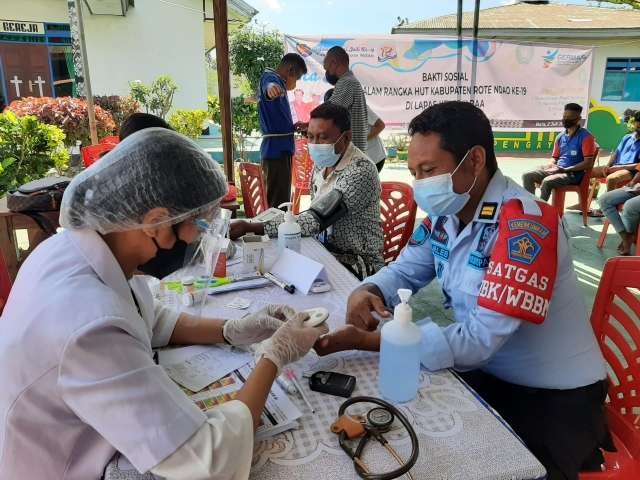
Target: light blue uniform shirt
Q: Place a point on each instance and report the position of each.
(628, 150)
(560, 353)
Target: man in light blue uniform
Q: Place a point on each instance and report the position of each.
(521, 328)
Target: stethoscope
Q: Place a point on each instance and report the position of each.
(373, 424)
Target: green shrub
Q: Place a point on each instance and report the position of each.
(156, 98)
(119, 107)
(188, 122)
(213, 106)
(244, 119)
(29, 149)
(68, 113)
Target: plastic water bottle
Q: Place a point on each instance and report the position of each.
(289, 233)
(400, 353)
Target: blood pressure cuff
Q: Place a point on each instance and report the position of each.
(328, 209)
(521, 275)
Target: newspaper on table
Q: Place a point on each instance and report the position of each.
(279, 414)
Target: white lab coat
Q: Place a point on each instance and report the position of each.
(79, 381)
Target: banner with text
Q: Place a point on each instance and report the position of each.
(519, 86)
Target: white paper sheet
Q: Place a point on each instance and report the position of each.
(202, 366)
(298, 270)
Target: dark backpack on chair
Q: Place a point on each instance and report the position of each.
(42, 195)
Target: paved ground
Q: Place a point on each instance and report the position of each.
(588, 260)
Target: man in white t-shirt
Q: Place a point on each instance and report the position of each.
(375, 147)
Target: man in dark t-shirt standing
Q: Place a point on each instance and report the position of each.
(277, 126)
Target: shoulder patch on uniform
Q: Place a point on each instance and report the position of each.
(488, 211)
(521, 274)
(421, 234)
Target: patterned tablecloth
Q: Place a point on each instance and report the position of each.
(460, 437)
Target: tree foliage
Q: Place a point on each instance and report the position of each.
(252, 51)
(632, 3)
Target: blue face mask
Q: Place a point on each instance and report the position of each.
(324, 154)
(435, 195)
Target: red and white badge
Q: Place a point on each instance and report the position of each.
(522, 271)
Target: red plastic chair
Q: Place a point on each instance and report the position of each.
(582, 189)
(254, 193)
(92, 153)
(398, 216)
(616, 323)
(301, 170)
(111, 139)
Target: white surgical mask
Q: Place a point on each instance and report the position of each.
(435, 195)
(324, 154)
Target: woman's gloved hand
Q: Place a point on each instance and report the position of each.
(290, 342)
(257, 326)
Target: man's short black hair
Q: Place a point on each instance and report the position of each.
(340, 54)
(295, 62)
(573, 107)
(327, 95)
(139, 121)
(461, 126)
(636, 116)
(330, 111)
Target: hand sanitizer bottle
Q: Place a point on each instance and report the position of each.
(289, 233)
(400, 353)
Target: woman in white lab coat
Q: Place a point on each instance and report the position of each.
(78, 378)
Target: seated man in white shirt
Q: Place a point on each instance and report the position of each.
(77, 333)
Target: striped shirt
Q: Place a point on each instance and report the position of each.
(348, 93)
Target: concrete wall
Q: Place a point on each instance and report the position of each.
(154, 38)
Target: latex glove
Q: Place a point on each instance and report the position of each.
(257, 326)
(291, 341)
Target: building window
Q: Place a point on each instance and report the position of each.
(62, 69)
(622, 80)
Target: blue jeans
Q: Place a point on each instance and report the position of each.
(628, 219)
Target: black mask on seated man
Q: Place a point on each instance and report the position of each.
(167, 260)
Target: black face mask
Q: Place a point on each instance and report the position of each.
(332, 79)
(569, 123)
(167, 260)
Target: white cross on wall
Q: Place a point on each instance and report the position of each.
(16, 81)
(40, 82)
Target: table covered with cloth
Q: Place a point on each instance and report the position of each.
(460, 436)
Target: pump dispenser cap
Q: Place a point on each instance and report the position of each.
(404, 294)
(403, 312)
(288, 216)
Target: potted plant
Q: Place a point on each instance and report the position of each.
(397, 147)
